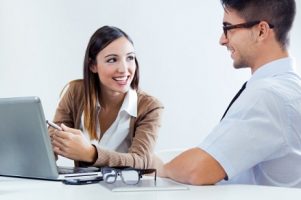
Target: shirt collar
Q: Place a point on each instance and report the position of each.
(129, 104)
(280, 66)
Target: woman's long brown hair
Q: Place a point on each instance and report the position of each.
(99, 40)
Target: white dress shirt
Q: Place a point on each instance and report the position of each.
(259, 140)
(115, 137)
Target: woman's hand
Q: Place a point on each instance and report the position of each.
(71, 143)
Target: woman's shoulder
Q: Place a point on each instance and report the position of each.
(76, 83)
(147, 100)
(73, 87)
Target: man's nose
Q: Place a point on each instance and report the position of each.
(223, 40)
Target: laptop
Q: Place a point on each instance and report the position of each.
(25, 147)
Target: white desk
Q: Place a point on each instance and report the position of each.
(27, 189)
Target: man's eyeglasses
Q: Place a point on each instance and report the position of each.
(226, 27)
(129, 175)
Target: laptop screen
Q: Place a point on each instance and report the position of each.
(25, 148)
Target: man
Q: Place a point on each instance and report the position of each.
(258, 140)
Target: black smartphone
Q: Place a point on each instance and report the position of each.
(81, 181)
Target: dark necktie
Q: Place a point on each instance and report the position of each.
(234, 99)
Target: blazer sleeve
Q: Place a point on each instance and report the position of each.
(67, 110)
(145, 133)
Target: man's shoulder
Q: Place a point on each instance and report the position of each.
(277, 87)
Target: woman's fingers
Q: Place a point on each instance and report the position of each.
(70, 130)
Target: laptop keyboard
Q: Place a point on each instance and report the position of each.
(72, 170)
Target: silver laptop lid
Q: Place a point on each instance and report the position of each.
(25, 148)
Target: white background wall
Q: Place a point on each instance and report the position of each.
(42, 45)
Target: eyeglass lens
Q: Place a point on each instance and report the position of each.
(130, 177)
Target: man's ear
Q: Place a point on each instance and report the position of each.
(263, 29)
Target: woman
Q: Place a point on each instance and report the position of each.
(106, 119)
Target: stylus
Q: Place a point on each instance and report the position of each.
(54, 125)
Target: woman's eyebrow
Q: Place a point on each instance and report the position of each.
(111, 55)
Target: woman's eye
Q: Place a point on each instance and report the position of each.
(131, 58)
(111, 60)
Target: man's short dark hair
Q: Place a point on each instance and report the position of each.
(280, 13)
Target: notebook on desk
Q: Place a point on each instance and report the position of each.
(145, 184)
(25, 147)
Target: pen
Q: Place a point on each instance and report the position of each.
(54, 125)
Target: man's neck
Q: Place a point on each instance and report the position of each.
(268, 55)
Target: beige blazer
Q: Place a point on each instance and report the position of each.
(143, 131)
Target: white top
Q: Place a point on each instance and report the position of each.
(115, 136)
(259, 140)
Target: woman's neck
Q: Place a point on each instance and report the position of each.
(111, 100)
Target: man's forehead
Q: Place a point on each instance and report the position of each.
(231, 16)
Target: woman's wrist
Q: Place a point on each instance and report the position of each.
(92, 154)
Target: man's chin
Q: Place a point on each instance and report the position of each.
(239, 65)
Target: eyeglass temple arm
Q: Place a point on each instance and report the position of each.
(149, 171)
